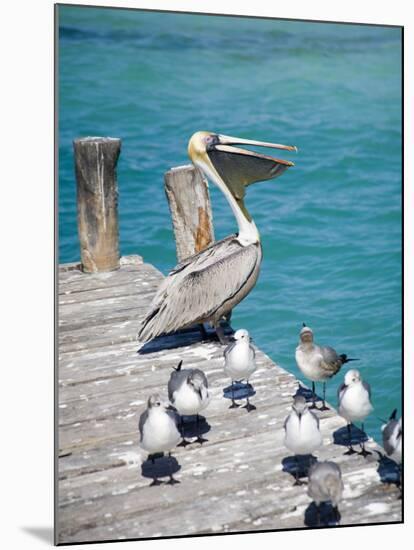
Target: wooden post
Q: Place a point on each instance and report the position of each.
(97, 190)
(189, 202)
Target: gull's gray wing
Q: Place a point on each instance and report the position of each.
(177, 379)
(367, 387)
(253, 351)
(200, 286)
(387, 434)
(201, 375)
(228, 349)
(141, 422)
(173, 414)
(315, 417)
(331, 361)
(341, 389)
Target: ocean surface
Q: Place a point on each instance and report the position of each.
(330, 226)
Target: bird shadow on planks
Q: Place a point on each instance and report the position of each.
(171, 341)
(388, 470)
(325, 516)
(191, 428)
(340, 436)
(238, 391)
(159, 466)
(298, 465)
(182, 338)
(307, 394)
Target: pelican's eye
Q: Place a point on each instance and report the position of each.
(211, 140)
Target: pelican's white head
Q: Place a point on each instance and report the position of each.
(233, 169)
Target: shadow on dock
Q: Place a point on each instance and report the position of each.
(192, 428)
(326, 516)
(298, 465)
(185, 337)
(171, 341)
(388, 470)
(238, 391)
(340, 436)
(306, 393)
(159, 466)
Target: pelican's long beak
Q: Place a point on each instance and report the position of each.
(228, 140)
(236, 168)
(239, 168)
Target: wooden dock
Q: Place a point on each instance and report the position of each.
(239, 480)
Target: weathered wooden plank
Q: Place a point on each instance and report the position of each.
(104, 311)
(76, 281)
(103, 386)
(254, 480)
(97, 192)
(129, 288)
(108, 421)
(122, 391)
(189, 202)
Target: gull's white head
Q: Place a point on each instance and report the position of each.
(196, 380)
(299, 405)
(241, 335)
(352, 377)
(155, 402)
(306, 334)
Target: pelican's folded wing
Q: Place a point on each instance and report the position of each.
(196, 289)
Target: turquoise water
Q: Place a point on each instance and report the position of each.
(330, 226)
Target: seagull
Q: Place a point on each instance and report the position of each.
(158, 429)
(239, 362)
(392, 437)
(188, 393)
(354, 400)
(302, 434)
(317, 363)
(325, 484)
(205, 287)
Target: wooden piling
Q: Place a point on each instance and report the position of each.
(97, 192)
(190, 207)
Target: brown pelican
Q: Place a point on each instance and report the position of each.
(206, 287)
